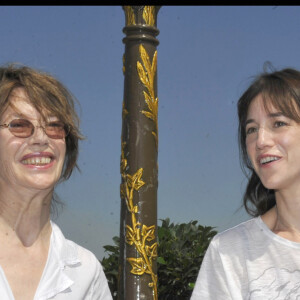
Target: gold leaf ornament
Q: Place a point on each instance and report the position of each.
(123, 60)
(124, 111)
(130, 236)
(148, 15)
(148, 232)
(142, 74)
(135, 180)
(152, 250)
(154, 63)
(148, 114)
(130, 18)
(148, 99)
(123, 163)
(138, 265)
(146, 72)
(146, 60)
(122, 191)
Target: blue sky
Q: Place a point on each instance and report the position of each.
(206, 57)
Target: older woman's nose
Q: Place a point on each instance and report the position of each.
(39, 136)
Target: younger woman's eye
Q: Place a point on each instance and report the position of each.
(279, 124)
(251, 130)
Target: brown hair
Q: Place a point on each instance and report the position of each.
(282, 90)
(47, 95)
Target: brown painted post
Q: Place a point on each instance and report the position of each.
(139, 145)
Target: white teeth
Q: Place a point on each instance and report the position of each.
(36, 161)
(268, 159)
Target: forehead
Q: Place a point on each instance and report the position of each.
(20, 104)
(260, 105)
(18, 93)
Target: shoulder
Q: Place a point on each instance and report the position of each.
(72, 253)
(239, 235)
(90, 267)
(222, 269)
(81, 266)
(85, 256)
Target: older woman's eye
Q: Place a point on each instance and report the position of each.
(251, 130)
(20, 123)
(56, 124)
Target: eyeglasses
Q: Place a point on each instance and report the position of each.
(23, 128)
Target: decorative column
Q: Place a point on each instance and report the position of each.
(139, 145)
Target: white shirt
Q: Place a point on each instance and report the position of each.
(71, 273)
(249, 261)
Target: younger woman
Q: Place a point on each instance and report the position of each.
(259, 259)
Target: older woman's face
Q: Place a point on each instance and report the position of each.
(34, 162)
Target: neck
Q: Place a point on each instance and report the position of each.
(287, 212)
(25, 216)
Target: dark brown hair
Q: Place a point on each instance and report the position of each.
(282, 90)
(48, 96)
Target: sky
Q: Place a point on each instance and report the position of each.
(207, 57)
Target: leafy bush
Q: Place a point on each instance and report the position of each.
(181, 248)
(111, 265)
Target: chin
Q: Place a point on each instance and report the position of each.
(41, 183)
(272, 185)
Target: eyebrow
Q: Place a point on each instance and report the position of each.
(271, 115)
(16, 114)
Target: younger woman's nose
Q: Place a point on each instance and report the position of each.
(264, 138)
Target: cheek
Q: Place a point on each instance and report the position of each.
(9, 149)
(61, 148)
(285, 142)
(251, 153)
(251, 149)
(7, 169)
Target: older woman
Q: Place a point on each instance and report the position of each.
(259, 259)
(38, 147)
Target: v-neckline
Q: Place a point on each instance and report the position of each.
(7, 285)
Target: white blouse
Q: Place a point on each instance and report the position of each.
(71, 273)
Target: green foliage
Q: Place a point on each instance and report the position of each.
(181, 248)
(111, 265)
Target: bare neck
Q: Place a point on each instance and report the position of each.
(25, 215)
(284, 218)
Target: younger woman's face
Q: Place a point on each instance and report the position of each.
(273, 146)
(34, 162)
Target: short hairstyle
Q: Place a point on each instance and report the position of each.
(48, 96)
(282, 90)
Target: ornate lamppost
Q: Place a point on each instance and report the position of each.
(139, 148)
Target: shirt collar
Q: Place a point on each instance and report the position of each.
(62, 253)
(66, 251)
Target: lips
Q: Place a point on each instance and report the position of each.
(37, 159)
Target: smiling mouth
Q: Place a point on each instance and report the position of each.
(37, 161)
(268, 159)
